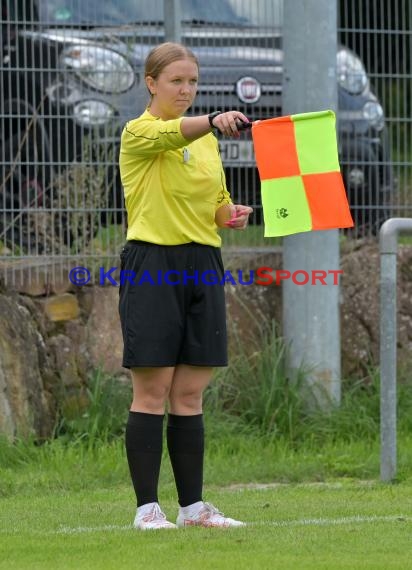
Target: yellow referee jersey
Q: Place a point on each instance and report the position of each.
(172, 186)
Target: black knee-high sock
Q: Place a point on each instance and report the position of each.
(144, 437)
(185, 442)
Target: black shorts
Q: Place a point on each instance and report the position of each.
(172, 305)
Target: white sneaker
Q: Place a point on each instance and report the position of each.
(151, 517)
(206, 515)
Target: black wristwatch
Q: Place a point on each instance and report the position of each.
(212, 116)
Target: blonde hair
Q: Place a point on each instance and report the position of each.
(163, 54)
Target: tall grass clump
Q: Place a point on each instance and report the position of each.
(105, 415)
(255, 387)
(257, 391)
(86, 446)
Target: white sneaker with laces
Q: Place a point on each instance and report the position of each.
(206, 515)
(151, 517)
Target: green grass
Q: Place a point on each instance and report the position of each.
(230, 458)
(252, 236)
(405, 240)
(314, 503)
(341, 525)
(110, 239)
(306, 480)
(234, 454)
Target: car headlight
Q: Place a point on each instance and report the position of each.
(351, 72)
(101, 68)
(92, 113)
(373, 113)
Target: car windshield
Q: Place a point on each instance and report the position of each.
(122, 12)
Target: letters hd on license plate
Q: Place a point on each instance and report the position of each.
(237, 153)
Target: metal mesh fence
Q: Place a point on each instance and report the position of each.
(72, 75)
(380, 33)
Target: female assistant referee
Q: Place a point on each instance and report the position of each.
(174, 331)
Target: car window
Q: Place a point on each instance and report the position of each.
(111, 12)
(260, 13)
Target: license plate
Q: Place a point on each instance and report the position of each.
(237, 153)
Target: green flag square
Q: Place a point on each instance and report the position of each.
(285, 207)
(316, 144)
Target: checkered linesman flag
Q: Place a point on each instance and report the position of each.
(301, 181)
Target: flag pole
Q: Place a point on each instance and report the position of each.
(311, 323)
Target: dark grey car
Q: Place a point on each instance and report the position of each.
(72, 74)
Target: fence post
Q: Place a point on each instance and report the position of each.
(172, 20)
(388, 244)
(311, 312)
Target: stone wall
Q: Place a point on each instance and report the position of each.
(53, 334)
(49, 344)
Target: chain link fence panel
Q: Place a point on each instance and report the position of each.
(72, 75)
